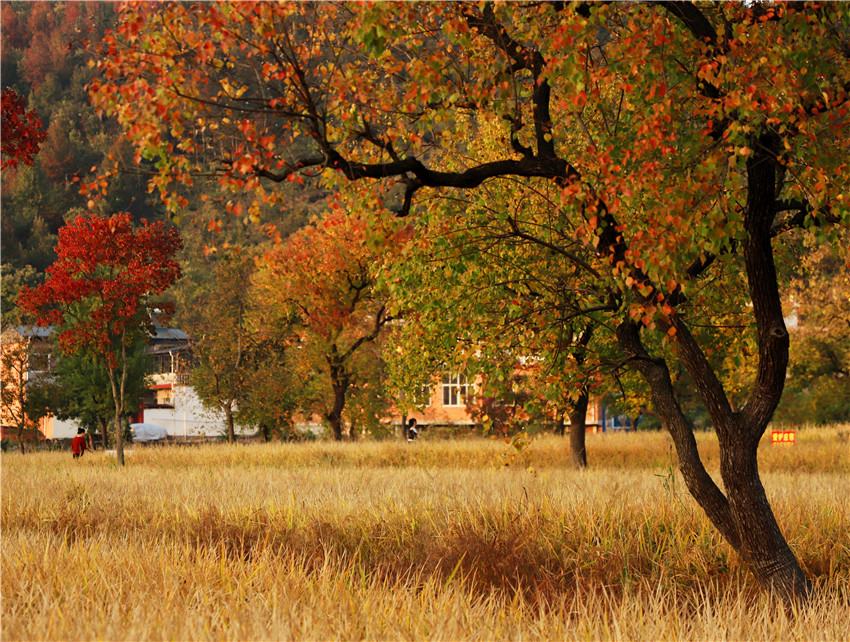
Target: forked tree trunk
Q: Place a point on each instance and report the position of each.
(762, 545)
(743, 514)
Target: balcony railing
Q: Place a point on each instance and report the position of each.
(171, 378)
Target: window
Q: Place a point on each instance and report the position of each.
(161, 363)
(455, 390)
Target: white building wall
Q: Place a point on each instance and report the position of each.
(60, 429)
(189, 417)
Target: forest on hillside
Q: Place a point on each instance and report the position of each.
(47, 62)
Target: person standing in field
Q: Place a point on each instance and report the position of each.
(78, 443)
(412, 431)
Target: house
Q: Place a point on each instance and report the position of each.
(27, 354)
(452, 401)
(171, 401)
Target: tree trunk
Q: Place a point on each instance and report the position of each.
(117, 397)
(762, 545)
(578, 413)
(228, 414)
(578, 430)
(334, 417)
(743, 514)
(340, 381)
(119, 438)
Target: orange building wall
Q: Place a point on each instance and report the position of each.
(8, 413)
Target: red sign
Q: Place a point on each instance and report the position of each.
(783, 437)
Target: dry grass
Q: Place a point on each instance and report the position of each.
(435, 540)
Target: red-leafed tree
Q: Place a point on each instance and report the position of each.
(97, 290)
(22, 134)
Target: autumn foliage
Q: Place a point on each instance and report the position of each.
(102, 277)
(323, 278)
(22, 133)
(683, 146)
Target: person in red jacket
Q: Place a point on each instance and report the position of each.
(78, 443)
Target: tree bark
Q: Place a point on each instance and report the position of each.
(231, 433)
(697, 480)
(334, 417)
(116, 420)
(743, 514)
(118, 399)
(578, 429)
(340, 381)
(762, 545)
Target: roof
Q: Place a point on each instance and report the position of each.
(160, 333)
(169, 334)
(34, 331)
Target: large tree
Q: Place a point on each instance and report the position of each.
(707, 133)
(97, 290)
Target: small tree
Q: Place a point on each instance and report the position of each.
(97, 288)
(225, 340)
(22, 404)
(270, 400)
(80, 388)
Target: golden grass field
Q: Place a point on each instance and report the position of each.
(437, 540)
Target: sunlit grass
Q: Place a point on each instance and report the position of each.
(386, 540)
